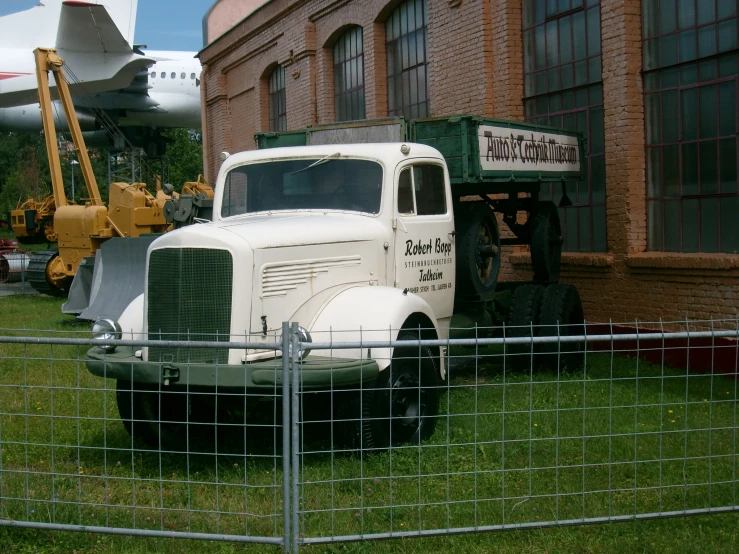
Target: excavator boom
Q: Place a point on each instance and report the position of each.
(47, 61)
(92, 237)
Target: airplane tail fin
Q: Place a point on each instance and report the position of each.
(40, 25)
(123, 14)
(92, 41)
(91, 28)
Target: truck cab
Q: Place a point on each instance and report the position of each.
(357, 243)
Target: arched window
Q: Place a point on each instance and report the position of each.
(407, 76)
(349, 76)
(277, 107)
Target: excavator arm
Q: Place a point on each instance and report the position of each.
(47, 60)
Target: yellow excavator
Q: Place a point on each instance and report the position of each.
(33, 221)
(91, 236)
(108, 281)
(81, 229)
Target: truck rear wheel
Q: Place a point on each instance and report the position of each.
(478, 248)
(402, 405)
(522, 319)
(561, 314)
(546, 242)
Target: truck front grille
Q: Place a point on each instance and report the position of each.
(189, 298)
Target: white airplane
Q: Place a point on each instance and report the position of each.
(141, 91)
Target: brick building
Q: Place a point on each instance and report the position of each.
(653, 232)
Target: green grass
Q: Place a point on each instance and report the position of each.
(616, 439)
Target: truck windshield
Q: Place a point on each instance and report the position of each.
(332, 184)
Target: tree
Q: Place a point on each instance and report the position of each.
(24, 169)
(185, 154)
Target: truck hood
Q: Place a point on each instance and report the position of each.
(301, 259)
(287, 265)
(303, 228)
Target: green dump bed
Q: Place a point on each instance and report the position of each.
(483, 155)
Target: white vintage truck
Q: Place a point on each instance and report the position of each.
(376, 239)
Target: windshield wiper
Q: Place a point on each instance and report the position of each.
(318, 162)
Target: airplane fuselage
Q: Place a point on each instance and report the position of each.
(167, 97)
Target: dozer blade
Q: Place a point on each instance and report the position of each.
(79, 291)
(119, 277)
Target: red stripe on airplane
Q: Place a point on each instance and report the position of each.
(4, 75)
(78, 3)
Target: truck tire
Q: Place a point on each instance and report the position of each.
(140, 406)
(478, 248)
(561, 314)
(403, 404)
(523, 318)
(546, 242)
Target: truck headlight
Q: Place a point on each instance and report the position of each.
(304, 337)
(106, 329)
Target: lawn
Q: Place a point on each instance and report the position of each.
(511, 447)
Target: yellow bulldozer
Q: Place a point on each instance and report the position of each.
(80, 230)
(33, 221)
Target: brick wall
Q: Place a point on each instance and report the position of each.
(476, 66)
(459, 53)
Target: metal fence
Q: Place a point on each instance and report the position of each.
(499, 431)
(13, 272)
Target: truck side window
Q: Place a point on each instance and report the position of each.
(234, 193)
(428, 182)
(405, 193)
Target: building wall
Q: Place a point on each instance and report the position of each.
(224, 13)
(476, 66)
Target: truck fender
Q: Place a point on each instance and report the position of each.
(364, 314)
(132, 320)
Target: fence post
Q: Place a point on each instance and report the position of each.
(295, 435)
(286, 434)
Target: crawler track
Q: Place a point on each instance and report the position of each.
(37, 272)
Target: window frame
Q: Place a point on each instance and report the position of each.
(246, 165)
(348, 64)
(398, 33)
(410, 167)
(277, 100)
(680, 72)
(584, 224)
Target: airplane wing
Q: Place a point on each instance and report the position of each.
(134, 97)
(98, 58)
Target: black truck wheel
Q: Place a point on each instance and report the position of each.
(523, 318)
(403, 404)
(478, 248)
(159, 419)
(546, 242)
(561, 315)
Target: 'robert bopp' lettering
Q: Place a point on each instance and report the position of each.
(420, 248)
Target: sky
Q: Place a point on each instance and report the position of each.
(160, 24)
